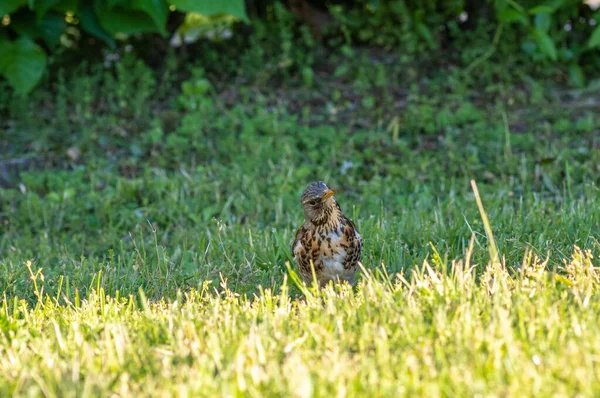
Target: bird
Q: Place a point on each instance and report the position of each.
(327, 240)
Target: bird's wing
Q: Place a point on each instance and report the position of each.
(353, 241)
(297, 245)
(306, 250)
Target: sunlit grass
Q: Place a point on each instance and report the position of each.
(437, 331)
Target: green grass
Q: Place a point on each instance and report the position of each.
(145, 233)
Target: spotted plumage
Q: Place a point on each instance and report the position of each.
(328, 240)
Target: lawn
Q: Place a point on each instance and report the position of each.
(146, 222)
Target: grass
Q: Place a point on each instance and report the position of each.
(146, 220)
(440, 333)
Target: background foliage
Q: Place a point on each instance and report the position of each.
(33, 28)
(561, 33)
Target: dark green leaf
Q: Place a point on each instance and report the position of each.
(8, 6)
(210, 7)
(67, 5)
(157, 9)
(545, 43)
(119, 20)
(23, 64)
(41, 7)
(51, 27)
(5, 48)
(547, 160)
(576, 74)
(24, 23)
(90, 23)
(594, 40)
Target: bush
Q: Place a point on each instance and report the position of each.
(553, 32)
(31, 29)
(558, 33)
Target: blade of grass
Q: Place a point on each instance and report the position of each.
(492, 248)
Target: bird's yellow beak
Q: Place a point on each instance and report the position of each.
(329, 193)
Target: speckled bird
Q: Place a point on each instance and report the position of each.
(327, 238)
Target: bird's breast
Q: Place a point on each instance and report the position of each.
(332, 251)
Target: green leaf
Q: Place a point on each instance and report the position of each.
(543, 21)
(545, 43)
(90, 23)
(594, 40)
(576, 74)
(549, 6)
(511, 3)
(541, 9)
(210, 7)
(23, 63)
(113, 3)
(510, 15)
(425, 33)
(116, 20)
(157, 9)
(8, 6)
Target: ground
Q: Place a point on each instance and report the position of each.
(147, 221)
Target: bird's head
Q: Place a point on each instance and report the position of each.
(318, 203)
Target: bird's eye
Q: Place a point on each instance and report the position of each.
(313, 202)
